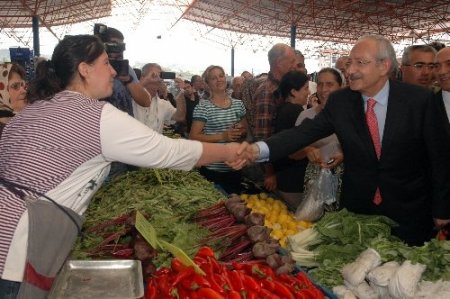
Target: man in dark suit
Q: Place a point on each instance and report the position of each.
(442, 106)
(390, 141)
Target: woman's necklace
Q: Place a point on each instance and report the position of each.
(222, 103)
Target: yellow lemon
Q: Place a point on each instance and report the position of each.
(263, 195)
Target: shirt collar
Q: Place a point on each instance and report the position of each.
(446, 96)
(382, 96)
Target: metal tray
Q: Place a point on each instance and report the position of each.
(99, 279)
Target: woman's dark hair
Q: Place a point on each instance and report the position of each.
(291, 80)
(54, 75)
(19, 70)
(336, 73)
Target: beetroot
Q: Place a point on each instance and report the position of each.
(254, 219)
(263, 249)
(258, 233)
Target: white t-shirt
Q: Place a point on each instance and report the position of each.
(159, 113)
(122, 139)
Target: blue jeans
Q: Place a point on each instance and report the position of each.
(9, 289)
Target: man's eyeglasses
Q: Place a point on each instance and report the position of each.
(359, 63)
(420, 66)
(17, 85)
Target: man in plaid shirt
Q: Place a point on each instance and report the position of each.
(264, 104)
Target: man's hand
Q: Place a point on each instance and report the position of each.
(270, 182)
(239, 156)
(337, 160)
(313, 154)
(439, 223)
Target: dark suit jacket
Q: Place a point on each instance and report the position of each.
(403, 173)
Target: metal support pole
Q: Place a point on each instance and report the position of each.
(35, 20)
(293, 35)
(232, 61)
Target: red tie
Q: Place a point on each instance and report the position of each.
(372, 123)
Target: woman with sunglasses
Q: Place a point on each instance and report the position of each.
(13, 90)
(57, 152)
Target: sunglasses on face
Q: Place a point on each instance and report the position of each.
(17, 85)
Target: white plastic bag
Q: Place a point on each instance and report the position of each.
(327, 183)
(311, 208)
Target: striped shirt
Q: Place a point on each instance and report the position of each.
(218, 120)
(39, 149)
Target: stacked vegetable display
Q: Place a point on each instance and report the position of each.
(339, 237)
(168, 198)
(241, 234)
(234, 281)
(278, 219)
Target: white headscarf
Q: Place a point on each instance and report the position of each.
(5, 100)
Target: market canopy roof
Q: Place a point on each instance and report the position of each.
(17, 14)
(325, 20)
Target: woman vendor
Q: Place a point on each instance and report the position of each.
(56, 153)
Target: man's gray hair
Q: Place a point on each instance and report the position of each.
(421, 48)
(385, 50)
(146, 68)
(277, 51)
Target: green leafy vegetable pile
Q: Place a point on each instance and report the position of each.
(339, 237)
(168, 198)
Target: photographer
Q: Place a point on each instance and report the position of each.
(126, 85)
(160, 111)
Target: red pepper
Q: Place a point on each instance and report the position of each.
(265, 294)
(282, 290)
(195, 282)
(237, 266)
(208, 293)
(267, 283)
(250, 283)
(184, 274)
(183, 293)
(236, 281)
(251, 295)
(163, 285)
(176, 265)
(205, 251)
(303, 278)
(234, 295)
(215, 265)
(215, 285)
(259, 270)
(193, 295)
(223, 281)
(312, 293)
(150, 292)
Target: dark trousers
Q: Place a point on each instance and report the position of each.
(9, 289)
(229, 181)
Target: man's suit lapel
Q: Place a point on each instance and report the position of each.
(394, 114)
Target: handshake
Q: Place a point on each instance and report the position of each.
(241, 154)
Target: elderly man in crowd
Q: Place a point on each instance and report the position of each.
(282, 59)
(418, 64)
(236, 85)
(396, 162)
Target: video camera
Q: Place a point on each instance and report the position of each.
(119, 65)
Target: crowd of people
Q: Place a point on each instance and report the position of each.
(81, 121)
